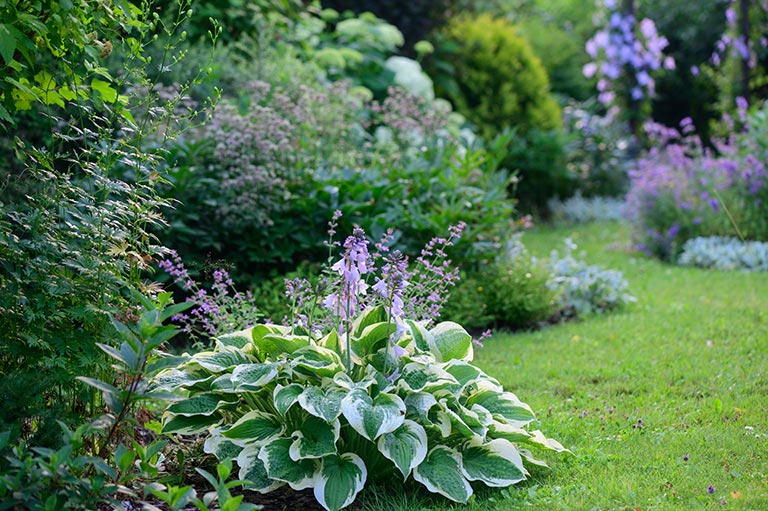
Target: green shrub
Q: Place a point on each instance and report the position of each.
(496, 81)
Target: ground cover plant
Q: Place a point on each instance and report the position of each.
(662, 404)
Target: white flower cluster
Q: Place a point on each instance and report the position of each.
(723, 253)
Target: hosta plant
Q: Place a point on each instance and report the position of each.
(375, 396)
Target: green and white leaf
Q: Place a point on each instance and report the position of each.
(220, 446)
(273, 345)
(201, 404)
(189, 425)
(247, 377)
(467, 374)
(529, 459)
(441, 473)
(318, 361)
(255, 427)
(373, 417)
(508, 432)
(450, 341)
(372, 338)
(538, 438)
(339, 480)
(219, 361)
(497, 463)
(315, 439)
(406, 446)
(418, 404)
(323, 403)
(223, 383)
(420, 335)
(253, 471)
(286, 396)
(279, 464)
(432, 378)
(504, 406)
(174, 379)
(239, 340)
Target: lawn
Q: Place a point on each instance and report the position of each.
(664, 405)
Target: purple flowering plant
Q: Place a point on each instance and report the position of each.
(681, 189)
(361, 383)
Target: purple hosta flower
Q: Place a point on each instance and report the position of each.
(710, 489)
(695, 70)
(353, 264)
(479, 341)
(393, 282)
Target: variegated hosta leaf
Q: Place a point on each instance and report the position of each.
(317, 361)
(253, 471)
(368, 317)
(323, 403)
(416, 377)
(406, 446)
(277, 460)
(330, 341)
(189, 425)
(339, 480)
(458, 423)
(504, 406)
(420, 335)
(315, 439)
(450, 341)
(372, 338)
(441, 473)
(219, 361)
(237, 340)
(247, 377)
(273, 345)
(467, 374)
(529, 459)
(255, 427)
(220, 446)
(496, 463)
(373, 417)
(174, 379)
(467, 422)
(202, 404)
(418, 404)
(538, 438)
(439, 419)
(508, 432)
(285, 397)
(224, 384)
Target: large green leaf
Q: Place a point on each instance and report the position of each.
(285, 397)
(406, 446)
(279, 464)
(339, 480)
(202, 404)
(450, 341)
(441, 473)
(504, 406)
(253, 471)
(219, 361)
(255, 427)
(247, 377)
(315, 439)
(323, 403)
(317, 361)
(496, 463)
(373, 417)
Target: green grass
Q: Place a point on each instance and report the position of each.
(681, 373)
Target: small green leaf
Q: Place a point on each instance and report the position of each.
(102, 386)
(441, 473)
(7, 44)
(107, 92)
(339, 480)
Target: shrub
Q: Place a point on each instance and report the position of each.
(371, 394)
(723, 253)
(510, 293)
(581, 210)
(682, 190)
(496, 81)
(585, 289)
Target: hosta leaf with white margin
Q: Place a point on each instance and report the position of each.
(324, 403)
(372, 338)
(508, 432)
(504, 406)
(202, 404)
(368, 317)
(406, 446)
(418, 404)
(420, 335)
(239, 339)
(339, 480)
(330, 341)
(467, 374)
(190, 425)
(279, 464)
(538, 438)
(223, 384)
(253, 376)
(315, 439)
(497, 463)
(317, 361)
(458, 422)
(174, 379)
(529, 459)
(255, 427)
(273, 346)
(373, 417)
(219, 361)
(220, 446)
(438, 419)
(441, 473)
(451, 341)
(286, 396)
(253, 471)
(417, 377)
